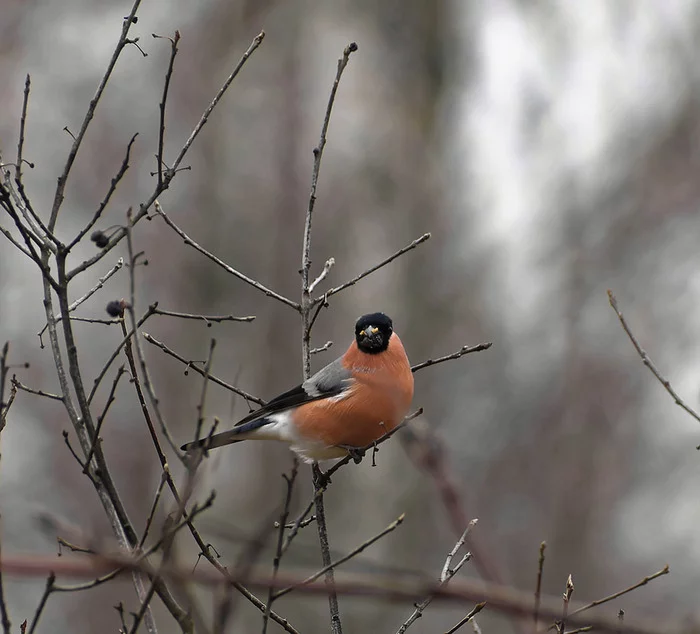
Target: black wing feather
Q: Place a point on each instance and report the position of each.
(291, 398)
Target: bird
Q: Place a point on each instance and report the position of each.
(343, 408)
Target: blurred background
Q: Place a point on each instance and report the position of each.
(550, 148)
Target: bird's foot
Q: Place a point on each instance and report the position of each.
(356, 453)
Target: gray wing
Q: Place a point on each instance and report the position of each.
(329, 381)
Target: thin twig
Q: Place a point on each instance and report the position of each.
(4, 370)
(191, 364)
(204, 318)
(140, 355)
(455, 355)
(568, 591)
(154, 505)
(84, 298)
(4, 613)
(647, 360)
(356, 551)
(108, 196)
(63, 178)
(116, 352)
(22, 124)
(229, 269)
(477, 608)
(289, 481)
(306, 326)
(538, 587)
(20, 386)
(373, 447)
(330, 262)
(447, 573)
(205, 385)
(161, 131)
(110, 399)
(371, 270)
(323, 348)
(664, 571)
(48, 589)
(257, 40)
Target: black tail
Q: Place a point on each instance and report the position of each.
(227, 437)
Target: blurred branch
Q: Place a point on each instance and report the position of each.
(647, 360)
(455, 355)
(395, 587)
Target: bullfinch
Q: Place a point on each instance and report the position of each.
(347, 405)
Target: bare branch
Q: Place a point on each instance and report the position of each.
(568, 591)
(323, 348)
(392, 527)
(205, 385)
(324, 273)
(477, 608)
(154, 505)
(371, 270)
(447, 573)
(42, 602)
(168, 74)
(115, 353)
(110, 399)
(24, 388)
(192, 364)
(393, 587)
(647, 360)
(205, 318)
(84, 298)
(664, 571)
(63, 178)
(190, 242)
(538, 587)
(455, 355)
(289, 481)
(257, 40)
(22, 124)
(108, 196)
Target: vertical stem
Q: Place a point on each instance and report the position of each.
(306, 323)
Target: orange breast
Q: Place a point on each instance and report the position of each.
(378, 401)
